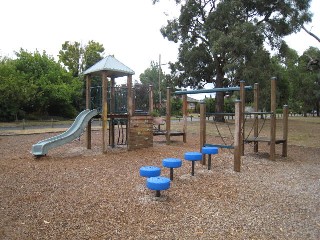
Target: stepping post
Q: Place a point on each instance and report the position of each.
(193, 156)
(150, 171)
(209, 151)
(158, 184)
(171, 163)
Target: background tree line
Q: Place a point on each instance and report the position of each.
(220, 42)
(35, 85)
(298, 81)
(223, 42)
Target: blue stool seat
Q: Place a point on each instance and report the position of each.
(193, 156)
(158, 184)
(150, 171)
(171, 163)
(209, 151)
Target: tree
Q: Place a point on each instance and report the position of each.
(307, 88)
(51, 89)
(93, 53)
(176, 106)
(77, 58)
(217, 37)
(299, 79)
(151, 77)
(15, 91)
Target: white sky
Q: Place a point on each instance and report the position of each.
(129, 29)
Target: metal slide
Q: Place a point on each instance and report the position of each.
(77, 128)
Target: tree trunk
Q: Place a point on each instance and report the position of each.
(219, 95)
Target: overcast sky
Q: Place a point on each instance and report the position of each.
(128, 29)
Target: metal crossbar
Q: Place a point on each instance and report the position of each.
(213, 90)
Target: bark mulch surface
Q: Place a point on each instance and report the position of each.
(75, 193)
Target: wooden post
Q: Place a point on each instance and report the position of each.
(133, 94)
(185, 116)
(256, 116)
(104, 110)
(112, 110)
(112, 95)
(285, 130)
(273, 120)
(150, 99)
(237, 137)
(242, 116)
(129, 106)
(168, 115)
(202, 128)
(129, 96)
(88, 106)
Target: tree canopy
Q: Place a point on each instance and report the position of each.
(220, 37)
(35, 83)
(151, 77)
(77, 58)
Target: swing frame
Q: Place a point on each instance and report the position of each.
(239, 139)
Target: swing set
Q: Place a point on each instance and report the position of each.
(240, 120)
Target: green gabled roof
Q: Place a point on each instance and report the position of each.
(114, 67)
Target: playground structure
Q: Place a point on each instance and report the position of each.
(168, 131)
(134, 127)
(239, 132)
(121, 123)
(117, 108)
(134, 130)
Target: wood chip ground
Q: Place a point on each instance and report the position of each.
(75, 193)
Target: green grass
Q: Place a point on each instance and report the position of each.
(303, 131)
(29, 123)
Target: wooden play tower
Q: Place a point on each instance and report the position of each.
(138, 128)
